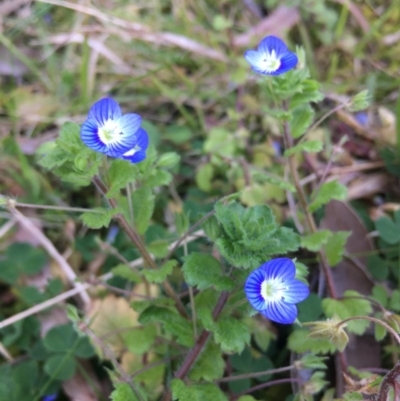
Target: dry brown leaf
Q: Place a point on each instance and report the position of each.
(111, 318)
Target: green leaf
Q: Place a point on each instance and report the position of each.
(359, 101)
(168, 160)
(302, 117)
(210, 364)
(172, 323)
(204, 176)
(83, 348)
(31, 295)
(101, 217)
(353, 396)
(310, 309)
(60, 367)
(335, 247)
(126, 272)
(314, 242)
(380, 294)
(21, 258)
(309, 93)
(204, 271)
(377, 267)
(388, 230)
(158, 248)
(196, 392)
(123, 392)
(379, 332)
(309, 361)
(158, 178)
(143, 207)
(120, 174)
(313, 146)
(246, 398)
(328, 191)
(300, 342)
(349, 307)
(394, 303)
(231, 334)
(140, 339)
(60, 338)
(159, 275)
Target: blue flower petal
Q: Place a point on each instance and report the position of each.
(280, 312)
(296, 292)
(252, 288)
(253, 57)
(270, 43)
(103, 110)
(288, 61)
(281, 268)
(127, 139)
(51, 397)
(142, 139)
(137, 157)
(130, 123)
(90, 137)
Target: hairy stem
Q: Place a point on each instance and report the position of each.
(304, 205)
(137, 241)
(193, 354)
(375, 320)
(255, 374)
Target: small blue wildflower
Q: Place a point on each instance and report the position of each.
(272, 57)
(107, 131)
(51, 397)
(273, 290)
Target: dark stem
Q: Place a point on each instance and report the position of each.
(265, 385)
(192, 355)
(390, 381)
(135, 238)
(303, 202)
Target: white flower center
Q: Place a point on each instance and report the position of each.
(270, 62)
(273, 290)
(109, 132)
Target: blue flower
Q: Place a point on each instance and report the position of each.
(272, 57)
(273, 290)
(51, 397)
(107, 131)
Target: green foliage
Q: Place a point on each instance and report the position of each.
(69, 158)
(231, 334)
(204, 271)
(250, 236)
(210, 364)
(378, 267)
(21, 258)
(204, 176)
(302, 117)
(99, 217)
(309, 361)
(314, 242)
(389, 230)
(335, 247)
(309, 93)
(300, 342)
(312, 146)
(126, 272)
(143, 206)
(172, 323)
(168, 160)
(159, 275)
(120, 174)
(60, 366)
(349, 307)
(360, 101)
(196, 392)
(124, 392)
(328, 191)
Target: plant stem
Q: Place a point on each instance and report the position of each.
(192, 355)
(135, 238)
(303, 202)
(255, 374)
(375, 320)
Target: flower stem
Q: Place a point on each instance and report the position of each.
(303, 202)
(193, 354)
(372, 319)
(255, 374)
(135, 238)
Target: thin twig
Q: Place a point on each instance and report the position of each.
(255, 374)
